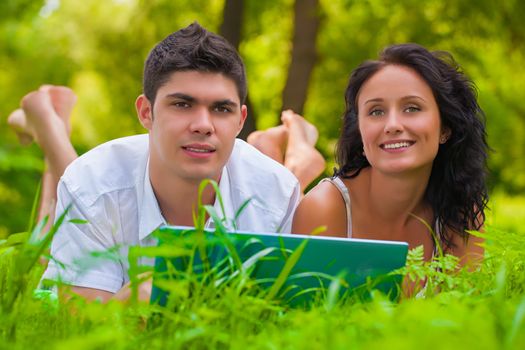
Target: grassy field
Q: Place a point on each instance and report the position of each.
(479, 310)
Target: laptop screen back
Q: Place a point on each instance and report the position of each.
(358, 264)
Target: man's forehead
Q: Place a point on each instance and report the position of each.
(201, 86)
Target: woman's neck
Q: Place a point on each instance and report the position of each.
(396, 197)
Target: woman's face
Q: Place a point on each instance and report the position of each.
(399, 121)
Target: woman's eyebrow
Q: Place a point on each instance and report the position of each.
(378, 99)
(413, 96)
(372, 100)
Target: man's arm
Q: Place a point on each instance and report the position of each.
(88, 293)
(286, 224)
(73, 263)
(124, 294)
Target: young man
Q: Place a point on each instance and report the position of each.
(192, 106)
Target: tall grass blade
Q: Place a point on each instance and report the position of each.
(239, 212)
(437, 241)
(34, 207)
(516, 324)
(287, 269)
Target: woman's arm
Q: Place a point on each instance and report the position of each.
(322, 206)
(470, 252)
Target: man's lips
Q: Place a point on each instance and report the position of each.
(199, 148)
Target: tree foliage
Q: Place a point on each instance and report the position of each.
(98, 48)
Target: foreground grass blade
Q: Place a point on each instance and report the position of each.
(287, 269)
(34, 207)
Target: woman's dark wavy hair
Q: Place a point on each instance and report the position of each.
(457, 188)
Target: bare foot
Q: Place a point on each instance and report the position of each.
(302, 128)
(39, 111)
(44, 118)
(63, 100)
(17, 121)
(271, 142)
(41, 120)
(301, 157)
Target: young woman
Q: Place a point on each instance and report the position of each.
(411, 156)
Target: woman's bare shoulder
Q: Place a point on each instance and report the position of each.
(322, 206)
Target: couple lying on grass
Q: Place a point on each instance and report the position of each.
(412, 155)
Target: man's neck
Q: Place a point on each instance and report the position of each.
(178, 199)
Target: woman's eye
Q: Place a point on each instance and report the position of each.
(412, 109)
(376, 112)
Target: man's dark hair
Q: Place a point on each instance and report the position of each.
(192, 48)
(457, 189)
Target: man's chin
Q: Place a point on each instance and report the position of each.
(198, 177)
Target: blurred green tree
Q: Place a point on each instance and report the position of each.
(303, 56)
(98, 48)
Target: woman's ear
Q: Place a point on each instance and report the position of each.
(445, 135)
(144, 111)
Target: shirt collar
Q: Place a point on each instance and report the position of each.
(150, 216)
(226, 215)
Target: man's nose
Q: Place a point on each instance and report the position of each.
(202, 122)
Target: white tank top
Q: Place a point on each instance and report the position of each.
(339, 184)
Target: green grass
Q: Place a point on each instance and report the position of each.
(507, 213)
(479, 310)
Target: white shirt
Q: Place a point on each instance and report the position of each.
(109, 187)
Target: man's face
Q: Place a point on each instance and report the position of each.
(192, 125)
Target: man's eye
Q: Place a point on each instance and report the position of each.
(223, 109)
(181, 104)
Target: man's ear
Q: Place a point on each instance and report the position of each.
(144, 111)
(244, 115)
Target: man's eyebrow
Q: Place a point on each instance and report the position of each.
(189, 98)
(225, 102)
(181, 96)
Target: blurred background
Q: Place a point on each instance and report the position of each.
(298, 55)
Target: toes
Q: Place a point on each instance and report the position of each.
(254, 137)
(17, 121)
(64, 99)
(286, 116)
